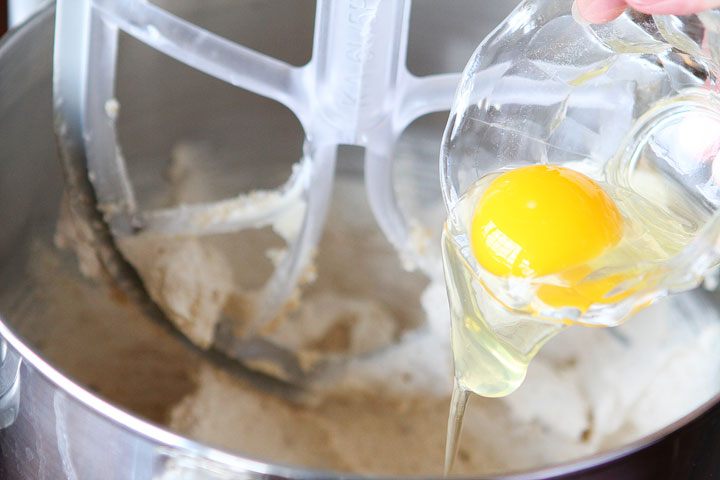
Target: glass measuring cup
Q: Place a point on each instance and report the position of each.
(622, 102)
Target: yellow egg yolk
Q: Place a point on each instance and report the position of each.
(542, 219)
(581, 293)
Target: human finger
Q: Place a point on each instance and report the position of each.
(600, 11)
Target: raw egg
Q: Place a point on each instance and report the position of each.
(542, 219)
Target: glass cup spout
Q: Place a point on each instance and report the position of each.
(634, 105)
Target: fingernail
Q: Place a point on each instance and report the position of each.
(576, 14)
(595, 12)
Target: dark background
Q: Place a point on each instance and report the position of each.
(3, 16)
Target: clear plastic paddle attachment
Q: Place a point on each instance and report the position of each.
(355, 90)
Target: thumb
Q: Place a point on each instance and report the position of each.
(600, 11)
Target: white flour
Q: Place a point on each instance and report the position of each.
(380, 405)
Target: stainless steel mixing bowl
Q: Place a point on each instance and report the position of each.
(54, 427)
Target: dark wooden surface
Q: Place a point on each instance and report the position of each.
(3, 16)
